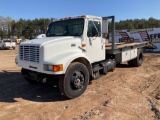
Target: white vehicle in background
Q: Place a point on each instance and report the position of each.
(6, 44)
(41, 36)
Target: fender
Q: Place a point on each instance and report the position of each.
(65, 58)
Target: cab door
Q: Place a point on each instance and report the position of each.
(95, 43)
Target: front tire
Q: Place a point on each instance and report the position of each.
(75, 81)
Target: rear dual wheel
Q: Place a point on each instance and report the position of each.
(138, 60)
(75, 81)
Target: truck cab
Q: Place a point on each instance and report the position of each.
(73, 52)
(87, 29)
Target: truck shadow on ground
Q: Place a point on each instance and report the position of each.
(13, 86)
(123, 66)
(7, 49)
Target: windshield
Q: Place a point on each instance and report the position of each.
(72, 27)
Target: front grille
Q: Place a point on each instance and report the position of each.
(29, 53)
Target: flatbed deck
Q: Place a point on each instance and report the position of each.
(124, 46)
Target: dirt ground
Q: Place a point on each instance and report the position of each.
(128, 93)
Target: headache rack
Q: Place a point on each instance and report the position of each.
(114, 48)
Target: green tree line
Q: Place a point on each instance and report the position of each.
(31, 28)
(23, 28)
(137, 23)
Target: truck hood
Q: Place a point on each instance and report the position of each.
(46, 40)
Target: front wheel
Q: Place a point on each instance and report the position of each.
(75, 81)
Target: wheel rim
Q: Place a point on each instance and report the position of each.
(77, 81)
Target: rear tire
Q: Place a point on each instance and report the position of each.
(138, 60)
(75, 81)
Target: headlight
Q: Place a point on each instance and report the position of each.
(55, 68)
(50, 67)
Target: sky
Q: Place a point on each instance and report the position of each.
(121, 9)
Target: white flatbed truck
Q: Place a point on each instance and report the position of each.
(74, 52)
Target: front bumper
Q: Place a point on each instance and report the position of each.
(39, 77)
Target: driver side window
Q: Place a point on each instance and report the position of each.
(94, 29)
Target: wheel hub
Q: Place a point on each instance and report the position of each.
(78, 80)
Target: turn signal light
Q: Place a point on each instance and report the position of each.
(83, 45)
(57, 68)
